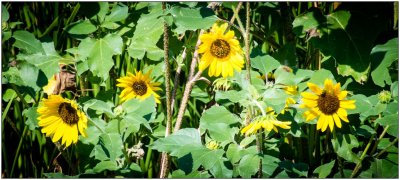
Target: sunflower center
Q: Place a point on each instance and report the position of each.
(220, 48)
(140, 88)
(68, 113)
(328, 103)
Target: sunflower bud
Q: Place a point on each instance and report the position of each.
(213, 145)
(384, 96)
(222, 84)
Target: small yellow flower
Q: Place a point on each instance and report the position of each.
(291, 90)
(213, 145)
(61, 118)
(138, 85)
(221, 52)
(268, 122)
(328, 103)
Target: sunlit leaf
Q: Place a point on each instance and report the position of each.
(26, 41)
(105, 165)
(392, 121)
(192, 19)
(382, 56)
(343, 146)
(81, 27)
(324, 170)
(118, 13)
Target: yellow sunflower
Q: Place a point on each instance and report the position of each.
(61, 118)
(328, 103)
(138, 85)
(221, 52)
(268, 122)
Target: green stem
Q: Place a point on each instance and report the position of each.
(18, 149)
(386, 148)
(7, 108)
(340, 162)
(52, 25)
(358, 166)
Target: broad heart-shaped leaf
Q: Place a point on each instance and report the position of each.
(219, 170)
(269, 165)
(304, 23)
(367, 106)
(324, 170)
(231, 95)
(147, 33)
(47, 63)
(217, 121)
(294, 169)
(392, 121)
(343, 146)
(100, 107)
(192, 18)
(81, 27)
(100, 55)
(108, 148)
(4, 14)
(105, 165)
(32, 115)
(26, 41)
(248, 165)
(179, 143)
(205, 157)
(382, 56)
(264, 63)
(118, 13)
(348, 39)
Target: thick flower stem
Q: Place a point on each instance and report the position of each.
(358, 166)
(188, 89)
(167, 74)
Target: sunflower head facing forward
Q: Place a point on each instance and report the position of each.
(61, 118)
(221, 52)
(328, 103)
(138, 85)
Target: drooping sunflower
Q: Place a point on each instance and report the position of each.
(138, 85)
(268, 122)
(328, 103)
(51, 86)
(61, 119)
(221, 52)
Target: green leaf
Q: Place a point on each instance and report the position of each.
(349, 43)
(147, 33)
(12, 75)
(105, 165)
(269, 165)
(100, 55)
(343, 146)
(139, 113)
(382, 57)
(4, 14)
(219, 170)
(81, 27)
(365, 131)
(294, 169)
(109, 147)
(205, 157)
(324, 170)
(367, 106)
(306, 22)
(32, 116)
(26, 41)
(118, 13)
(47, 63)
(319, 77)
(248, 165)
(179, 143)
(59, 176)
(192, 18)
(264, 63)
(392, 121)
(217, 121)
(394, 88)
(100, 107)
(385, 168)
(193, 175)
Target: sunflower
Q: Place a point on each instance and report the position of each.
(221, 52)
(138, 86)
(61, 118)
(328, 103)
(268, 122)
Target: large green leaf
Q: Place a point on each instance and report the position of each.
(138, 113)
(248, 165)
(26, 41)
(324, 170)
(179, 143)
(99, 53)
(306, 22)
(219, 170)
(108, 148)
(32, 116)
(367, 106)
(264, 63)
(217, 121)
(343, 146)
(392, 121)
(81, 27)
(383, 56)
(118, 13)
(105, 165)
(100, 107)
(192, 18)
(349, 40)
(4, 14)
(147, 33)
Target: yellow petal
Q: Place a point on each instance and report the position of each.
(342, 95)
(328, 84)
(337, 120)
(314, 88)
(347, 104)
(325, 123)
(337, 89)
(59, 132)
(308, 95)
(342, 113)
(330, 121)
